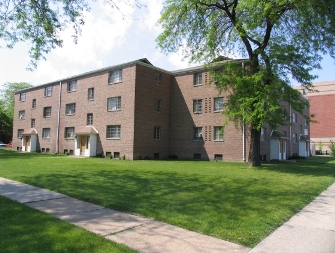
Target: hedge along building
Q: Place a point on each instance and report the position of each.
(137, 110)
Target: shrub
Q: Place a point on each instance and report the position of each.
(173, 157)
(332, 147)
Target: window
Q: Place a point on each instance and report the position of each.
(70, 109)
(89, 121)
(295, 138)
(285, 133)
(72, 86)
(46, 133)
(306, 122)
(197, 133)
(218, 104)
(47, 112)
(114, 104)
(158, 105)
(33, 104)
(32, 123)
(90, 94)
(218, 157)
(294, 117)
(19, 133)
(263, 134)
(197, 79)
(197, 105)
(115, 76)
(22, 114)
(23, 96)
(157, 133)
(301, 131)
(158, 79)
(48, 91)
(69, 132)
(113, 132)
(218, 134)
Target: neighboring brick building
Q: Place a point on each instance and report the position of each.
(322, 105)
(139, 111)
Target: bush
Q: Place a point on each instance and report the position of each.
(296, 157)
(173, 157)
(332, 148)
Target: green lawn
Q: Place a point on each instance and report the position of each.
(221, 199)
(26, 230)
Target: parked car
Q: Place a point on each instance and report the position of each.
(2, 144)
(10, 145)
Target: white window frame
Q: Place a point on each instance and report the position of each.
(294, 117)
(157, 133)
(47, 112)
(218, 133)
(113, 132)
(263, 134)
(46, 133)
(70, 109)
(48, 91)
(23, 96)
(197, 105)
(72, 86)
(158, 105)
(89, 119)
(33, 123)
(158, 79)
(115, 76)
(197, 79)
(69, 132)
(33, 103)
(20, 133)
(90, 94)
(218, 104)
(197, 133)
(22, 114)
(114, 104)
(295, 138)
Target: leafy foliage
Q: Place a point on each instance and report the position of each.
(332, 147)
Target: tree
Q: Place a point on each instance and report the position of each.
(7, 105)
(280, 39)
(39, 22)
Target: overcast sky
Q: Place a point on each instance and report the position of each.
(107, 39)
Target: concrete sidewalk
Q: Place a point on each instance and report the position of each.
(310, 231)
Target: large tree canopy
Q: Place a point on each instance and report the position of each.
(39, 22)
(281, 39)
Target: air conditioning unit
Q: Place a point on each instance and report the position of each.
(198, 135)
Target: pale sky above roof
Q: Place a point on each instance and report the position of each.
(107, 39)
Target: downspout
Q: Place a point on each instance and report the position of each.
(58, 116)
(291, 130)
(243, 127)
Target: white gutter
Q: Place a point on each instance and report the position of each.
(243, 129)
(58, 117)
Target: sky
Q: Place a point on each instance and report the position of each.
(107, 39)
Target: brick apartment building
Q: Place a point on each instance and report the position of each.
(139, 111)
(322, 105)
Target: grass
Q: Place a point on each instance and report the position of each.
(26, 230)
(226, 200)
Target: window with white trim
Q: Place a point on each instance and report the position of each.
(114, 104)
(218, 104)
(70, 109)
(69, 132)
(197, 105)
(113, 132)
(22, 96)
(263, 134)
(197, 133)
(22, 114)
(89, 121)
(32, 123)
(20, 133)
(295, 138)
(157, 133)
(158, 105)
(46, 133)
(90, 95)
(115, 76)
(72, 86)
(158, 79)
(218, 133)
(33, 103)
(48, 91)
(197, 79)
(47, 112)
(294, 117)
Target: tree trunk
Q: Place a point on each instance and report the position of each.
(254, 153)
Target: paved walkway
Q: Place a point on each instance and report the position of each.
(310, 231)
